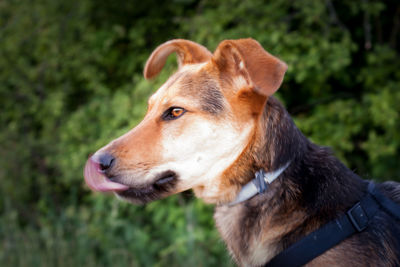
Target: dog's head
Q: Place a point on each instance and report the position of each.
(198, 124)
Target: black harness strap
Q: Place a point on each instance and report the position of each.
(355, 220)
(387, 204)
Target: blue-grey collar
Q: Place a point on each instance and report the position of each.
(258, 185)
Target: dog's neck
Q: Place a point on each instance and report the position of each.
(309, 193)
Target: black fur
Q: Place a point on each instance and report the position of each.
(317, 184)
(212, 99)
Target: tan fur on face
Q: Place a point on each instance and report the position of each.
(223, 103)
(187, 145)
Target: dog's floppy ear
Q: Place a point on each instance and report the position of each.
(246, 57)
(188, 52)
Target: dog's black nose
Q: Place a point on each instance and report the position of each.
(106, 161)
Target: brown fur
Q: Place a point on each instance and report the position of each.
(188, 53)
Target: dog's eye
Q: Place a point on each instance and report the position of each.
(173, 113)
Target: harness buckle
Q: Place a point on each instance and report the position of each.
(358, 217)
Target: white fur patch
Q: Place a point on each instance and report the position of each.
(239, 82)
(202, 153)
(241, 65)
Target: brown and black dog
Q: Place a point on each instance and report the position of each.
(209, 128)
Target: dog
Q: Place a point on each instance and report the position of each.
(214, 124)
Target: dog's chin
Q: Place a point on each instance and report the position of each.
(163, 186)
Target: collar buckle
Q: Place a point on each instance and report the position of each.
(258, 185)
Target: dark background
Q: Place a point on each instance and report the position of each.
(71, 81)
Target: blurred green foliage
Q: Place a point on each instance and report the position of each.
(71, 81)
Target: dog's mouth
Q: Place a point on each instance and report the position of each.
(97, 181)
(163, 184)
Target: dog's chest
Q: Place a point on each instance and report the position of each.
(244, 238)
(227, 221)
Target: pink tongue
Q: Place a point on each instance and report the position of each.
(98, 181)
